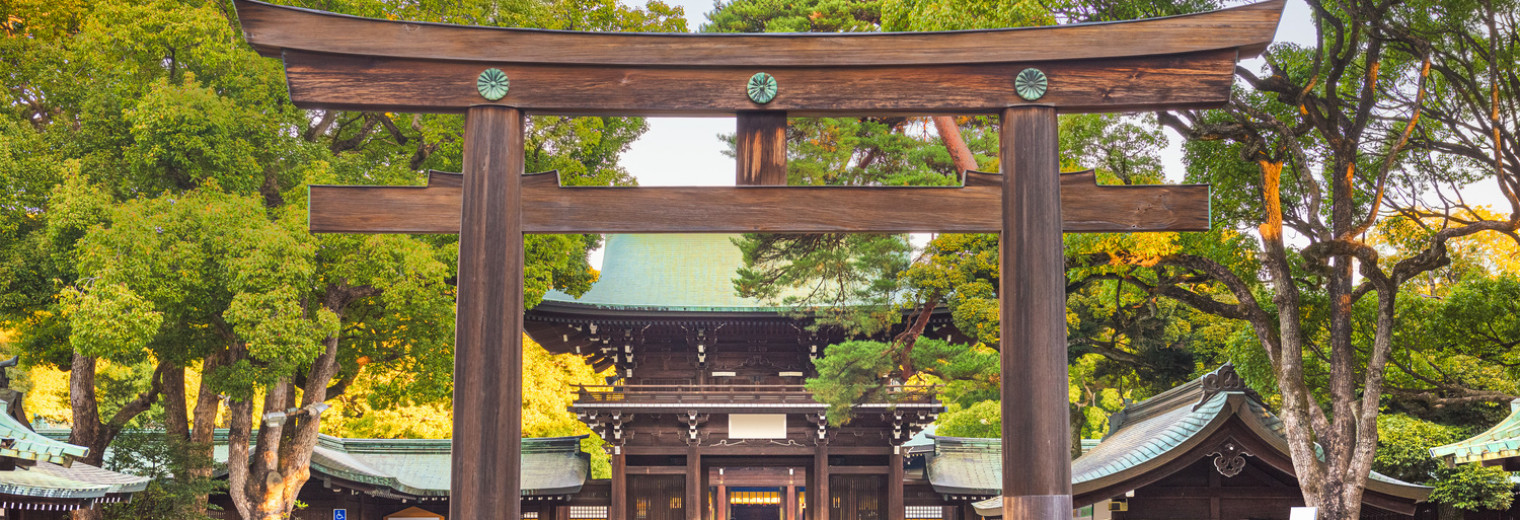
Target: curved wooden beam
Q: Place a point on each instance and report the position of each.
(272, 29)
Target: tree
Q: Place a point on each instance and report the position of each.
(1404, 453)
(164, 458)
(156, 222)
(1305, 161)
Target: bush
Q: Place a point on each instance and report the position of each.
(172, 494)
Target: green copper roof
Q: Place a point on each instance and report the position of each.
(23, 443)
(667, 272)
(1500, 442)
(420, 467)
(55, 475)
(1142, 438)
(27, 482)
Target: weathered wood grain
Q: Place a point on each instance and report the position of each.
(617, 509)
(487, 445)
(818, 484)
(1032, 303)
(895, 509)
(694, 488)
(1199, 79)
(271, 28)
(549, 208)
(761, 149)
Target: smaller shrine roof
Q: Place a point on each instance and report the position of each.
(421, 467)
(1141, 438)
(19, 441)
(54, 475)
(1499, 442)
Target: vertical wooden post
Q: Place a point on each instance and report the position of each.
(1036, 428)
(819, 502)
(704, 491)
(895, 509)
(617, 506)
(810, 493)
(791, 502)
(488, 331)
(722, 501)
(761, 147)
(694, 482)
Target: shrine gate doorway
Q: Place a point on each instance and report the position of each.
(498, 76)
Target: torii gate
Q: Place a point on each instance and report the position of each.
(496, 76)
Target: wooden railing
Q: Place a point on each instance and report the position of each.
(735, 393)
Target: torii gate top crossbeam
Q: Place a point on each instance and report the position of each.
(345, 62)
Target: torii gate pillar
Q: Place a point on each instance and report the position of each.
(1032, 329)
(488, 329)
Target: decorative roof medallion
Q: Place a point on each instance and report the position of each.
(492, 84)
(762, 88)
(1230, 458)
(1030, 83)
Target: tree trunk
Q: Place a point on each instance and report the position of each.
(86, 417)
(950, 133)
(83, 408)
(240, 430)
(280, 464)
(176, 415)
(88, 430)
(203, 431)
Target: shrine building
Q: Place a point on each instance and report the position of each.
(708, 408)
(707, 412)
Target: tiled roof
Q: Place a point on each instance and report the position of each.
(54, 475)
(1140, 436)
(1137, 442)
(420, 467)
(1500, 442)
(966, 467)
(19, 441)
(667, 272)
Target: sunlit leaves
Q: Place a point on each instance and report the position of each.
(110, 321)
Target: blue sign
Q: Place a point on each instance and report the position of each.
(340, 514)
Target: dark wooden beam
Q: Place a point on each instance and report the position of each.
(818, 502)
(694, 490)
(1032, 302)
(549, 208)
(1195, 80)
(895, 507)
(791, 502)
(488, 331)
(270, 28)
(761, 147)
(721, 496)
(857, 470)
(617, 507)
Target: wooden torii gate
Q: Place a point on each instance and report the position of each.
(497, 76)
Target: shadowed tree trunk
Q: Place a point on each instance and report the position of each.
(88, 430)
